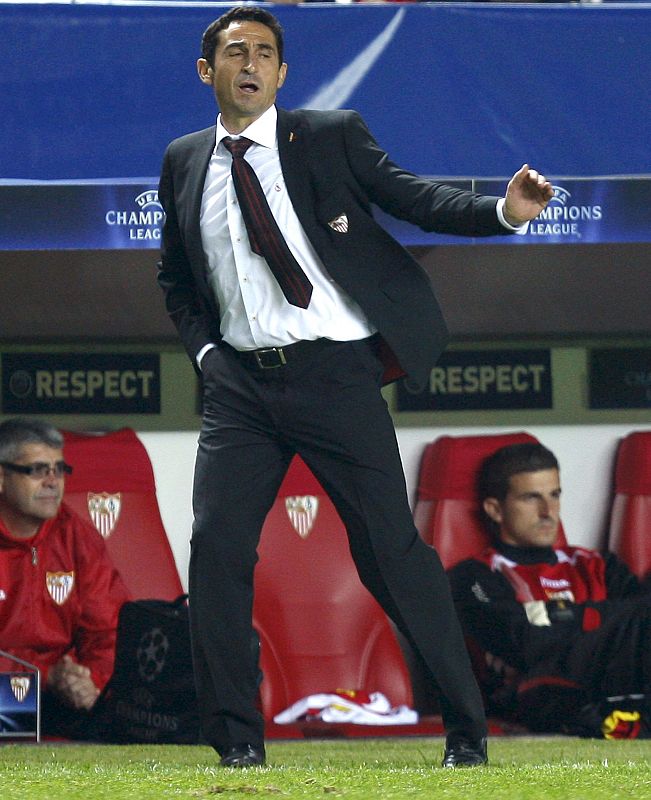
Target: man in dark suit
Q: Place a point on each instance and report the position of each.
(293, 358)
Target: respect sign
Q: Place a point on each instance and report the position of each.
(466, 380)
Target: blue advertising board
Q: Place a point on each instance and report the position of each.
(111, 215)
(97, 90)
(114, 215)
(18, 705)
(588, 211)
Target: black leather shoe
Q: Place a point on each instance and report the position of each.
(461, 751)
(242, 755)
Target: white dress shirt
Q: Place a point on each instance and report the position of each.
(254, 311)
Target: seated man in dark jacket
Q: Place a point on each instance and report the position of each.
(565, 632)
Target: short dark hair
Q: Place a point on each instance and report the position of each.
(240, 14)
(496, 471)
(16, 433)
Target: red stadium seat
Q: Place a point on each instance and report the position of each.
(630, 521)
(446, 511)
(112, 484)
(320, 629)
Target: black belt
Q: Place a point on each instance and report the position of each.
(275, 357)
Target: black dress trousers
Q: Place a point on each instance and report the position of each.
(327, 407)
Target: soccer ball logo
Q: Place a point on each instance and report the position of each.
(151, 654)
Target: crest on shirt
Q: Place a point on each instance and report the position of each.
(59, 585)
(104, 510)
(339, 224)
(302, 511)
(20, 686)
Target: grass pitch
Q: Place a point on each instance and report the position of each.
(522, 768)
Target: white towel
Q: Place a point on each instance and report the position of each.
(343, 705)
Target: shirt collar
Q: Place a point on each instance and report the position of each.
(262, 131)
(527, 555)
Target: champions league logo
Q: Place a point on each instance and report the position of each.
(148, 199)
(141, 223)
(564, 217)
(151, 654)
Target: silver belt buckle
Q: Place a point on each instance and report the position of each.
(260, 357)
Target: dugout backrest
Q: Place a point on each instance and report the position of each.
(630, 520)
(319, 628)
(112, 485)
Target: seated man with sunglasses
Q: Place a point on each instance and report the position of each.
(59, 591)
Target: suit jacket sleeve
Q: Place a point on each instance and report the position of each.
(187, 308)
(431, 205)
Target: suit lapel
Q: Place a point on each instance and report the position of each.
(196, 180)
(292, 150)
(197, 175)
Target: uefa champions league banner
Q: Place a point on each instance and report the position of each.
(588, 211)
(446, 88)
(80, 216)
(582, 211)
(127, 214)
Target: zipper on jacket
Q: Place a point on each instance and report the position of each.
(34, 556)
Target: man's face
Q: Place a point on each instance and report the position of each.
(246, 73)
(25, 500)
(529, 514)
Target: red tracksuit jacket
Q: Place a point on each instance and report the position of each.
(60, 593)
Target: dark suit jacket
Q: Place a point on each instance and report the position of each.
(332, 166)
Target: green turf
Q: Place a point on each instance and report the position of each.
(550, 768)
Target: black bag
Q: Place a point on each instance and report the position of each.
(150, 697)
(621, 717)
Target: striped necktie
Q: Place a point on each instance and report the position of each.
(264, 234)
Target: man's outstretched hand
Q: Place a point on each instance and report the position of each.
(527, 194)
